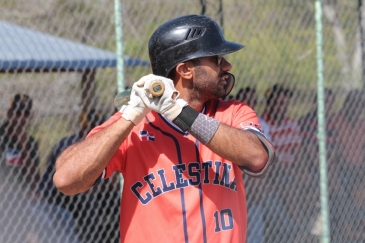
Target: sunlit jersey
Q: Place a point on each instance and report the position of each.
(175, 188)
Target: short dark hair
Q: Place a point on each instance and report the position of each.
(275, 90)
(245, 90)
(21, 102)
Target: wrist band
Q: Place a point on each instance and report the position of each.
(204, 128)
(201, 126)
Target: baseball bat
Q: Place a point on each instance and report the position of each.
(156, 89)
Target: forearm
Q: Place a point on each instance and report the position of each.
(79, 166)
(239, 146)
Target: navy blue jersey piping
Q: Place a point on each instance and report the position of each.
(202, 214)
(178, 151)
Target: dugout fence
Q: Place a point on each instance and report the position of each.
(71, 92)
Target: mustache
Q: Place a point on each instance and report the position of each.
(223, 74)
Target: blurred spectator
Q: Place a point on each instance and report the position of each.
(279, 185)
(309, 124)
(283, 130)
(348, 163)
(20, 221)
(350, 141)
(354, 215)
(247, 95)
(308, 201)
(254, 189)
(89, 207)
(19, 157)
(19, 149)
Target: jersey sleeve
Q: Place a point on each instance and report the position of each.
(245, 117)
(117, 161)
(238, 115)
(241, 116)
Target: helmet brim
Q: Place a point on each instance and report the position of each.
(227, 47)
(224, 48)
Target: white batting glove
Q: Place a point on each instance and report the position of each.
(168, 104)
(135, 110)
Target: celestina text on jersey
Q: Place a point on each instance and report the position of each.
(196, 173)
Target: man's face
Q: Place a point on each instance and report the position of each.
(210, 78)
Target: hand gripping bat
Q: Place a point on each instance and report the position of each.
(156, 89)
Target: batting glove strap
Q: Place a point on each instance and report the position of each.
(186, 118)
(175, 109)
(130, 114)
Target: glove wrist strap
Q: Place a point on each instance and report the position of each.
(200, 126)
(131, 114)
(186, 118)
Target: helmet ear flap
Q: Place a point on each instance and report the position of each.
(230, 83)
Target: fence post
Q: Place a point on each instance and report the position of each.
(120, 56)
(362, 39)
(322, 125)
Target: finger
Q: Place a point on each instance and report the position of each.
(141, 82)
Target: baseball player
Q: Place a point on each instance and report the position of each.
(182, 153)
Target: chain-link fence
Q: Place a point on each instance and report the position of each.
(61, 54)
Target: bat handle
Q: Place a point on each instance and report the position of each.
(157, 88)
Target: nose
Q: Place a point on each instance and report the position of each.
(225, 65)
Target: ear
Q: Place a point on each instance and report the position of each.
(185, 70)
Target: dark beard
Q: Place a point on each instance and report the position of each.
(205, 89)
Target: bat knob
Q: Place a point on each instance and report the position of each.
(157, 88)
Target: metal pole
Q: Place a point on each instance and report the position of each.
(321, 125)
(119, 44)
(204, 6)
(120, 57)
(220, 11)
(362, 39)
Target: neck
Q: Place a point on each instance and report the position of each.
(198, 106)
(194, 100)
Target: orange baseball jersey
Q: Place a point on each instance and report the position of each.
(175, 188)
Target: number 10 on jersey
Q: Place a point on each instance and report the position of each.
(223, 220)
